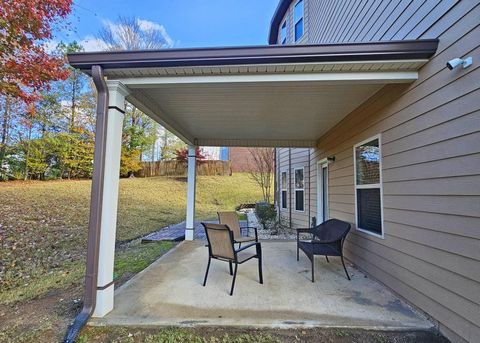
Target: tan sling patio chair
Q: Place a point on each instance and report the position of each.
(231, 220)
(221, 247)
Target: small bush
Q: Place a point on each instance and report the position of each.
(267, 215)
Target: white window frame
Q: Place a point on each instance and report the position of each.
(283, 189)
(320, 165)
(369, 186)
(296, 21)
(284, 40)
(295, 189)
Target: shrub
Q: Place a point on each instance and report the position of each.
(267, 215)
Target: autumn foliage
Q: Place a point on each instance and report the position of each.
(182, 155)
(25, 66)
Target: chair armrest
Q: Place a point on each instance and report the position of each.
(250, 227)
(300, 230)
(325, 242)
(247, 246)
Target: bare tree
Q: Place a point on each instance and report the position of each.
(131, 33)
(262, 169)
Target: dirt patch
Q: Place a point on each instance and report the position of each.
(42, 320)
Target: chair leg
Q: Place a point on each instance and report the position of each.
(234, 277)
(297, 251)
(259, 255)
(206, 272)
(313, 268)
(345, 268)
(327, 258)
(230, 267)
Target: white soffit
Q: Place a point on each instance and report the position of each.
(347, 66)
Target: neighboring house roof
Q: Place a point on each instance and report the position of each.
(277, 18)
(370, 51)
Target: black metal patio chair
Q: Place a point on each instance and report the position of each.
(325, 239)
(221, 247)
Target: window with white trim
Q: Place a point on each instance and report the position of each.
(299, 190)
(368, 186)
(283, 190)
(298, 12)
(283, 33)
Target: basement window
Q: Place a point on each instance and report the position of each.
(299, 190)
(283, 191)
(298, 20)
(368, 186)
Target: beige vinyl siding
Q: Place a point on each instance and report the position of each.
(431, 174)
(289, 18)
(299, 159)
(372, 20)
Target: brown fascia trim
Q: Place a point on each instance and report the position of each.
(371, 51)
(93, 242)
(282, 8)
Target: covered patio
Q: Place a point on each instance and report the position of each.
(170, 293)
(274, 96)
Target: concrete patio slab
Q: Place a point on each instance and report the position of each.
(170, 293)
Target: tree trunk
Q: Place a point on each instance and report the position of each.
(5, 125)
(27, 152)
(73, 107)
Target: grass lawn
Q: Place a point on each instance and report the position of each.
(239, 335)
(43, 233)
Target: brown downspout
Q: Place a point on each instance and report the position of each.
(275, 185)
(93, 244)
(309, 188)
(290, 185)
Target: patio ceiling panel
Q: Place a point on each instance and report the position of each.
(283, 96)
(286, 114)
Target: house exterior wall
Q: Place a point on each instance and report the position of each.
(241, 160)
(430, 135)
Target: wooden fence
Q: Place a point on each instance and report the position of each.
(175, 168)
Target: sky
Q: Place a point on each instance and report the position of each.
(184, 23)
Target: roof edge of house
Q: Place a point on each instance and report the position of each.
(247, 55)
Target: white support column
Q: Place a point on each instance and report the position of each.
(191, 183)
(116, 111)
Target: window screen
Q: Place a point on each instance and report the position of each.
(368, 186)
(283, 188)
(299, 190)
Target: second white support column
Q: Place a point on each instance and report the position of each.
(191, 188)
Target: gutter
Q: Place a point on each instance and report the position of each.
(248, 55)
(93, 244)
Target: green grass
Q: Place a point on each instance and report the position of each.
(138, 257)
(43, 225)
